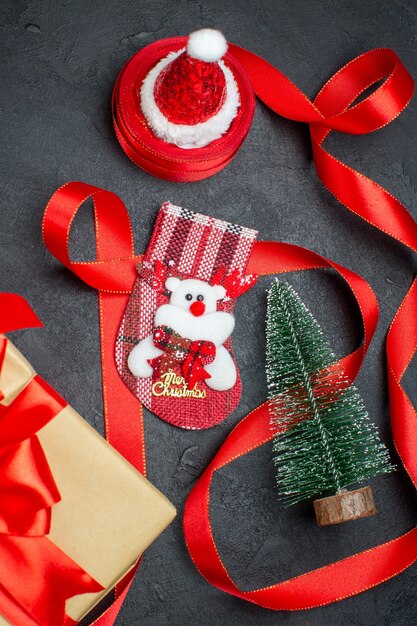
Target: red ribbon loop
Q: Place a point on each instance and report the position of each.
(336, 99)
(114, 269)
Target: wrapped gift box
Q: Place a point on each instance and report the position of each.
(108, 513)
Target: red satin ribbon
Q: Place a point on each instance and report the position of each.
(36, 577)
(15, 313)
(340, 579)
(331, 110)
(334, 108)
(113, 274)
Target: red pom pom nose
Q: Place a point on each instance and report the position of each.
(197, 308)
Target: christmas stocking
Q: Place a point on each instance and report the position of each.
(174, 348)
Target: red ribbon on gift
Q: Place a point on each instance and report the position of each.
(36, 577)
(191, 355)
(113, 275)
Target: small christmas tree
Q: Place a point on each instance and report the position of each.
(324, 439)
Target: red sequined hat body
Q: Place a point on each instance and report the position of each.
(190, 91)
(190, 98)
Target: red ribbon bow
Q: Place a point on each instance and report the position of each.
(191, 355)
(36, 577)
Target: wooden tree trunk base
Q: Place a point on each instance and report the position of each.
(345, 506)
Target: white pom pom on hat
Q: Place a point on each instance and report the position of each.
(190, 97)
(207, 45)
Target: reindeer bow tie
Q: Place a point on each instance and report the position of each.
(191, 355)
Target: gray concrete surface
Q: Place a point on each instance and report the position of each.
(58, 63)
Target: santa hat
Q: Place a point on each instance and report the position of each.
(190, 97)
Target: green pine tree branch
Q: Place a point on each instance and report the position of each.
(324, 439)
(314, 409)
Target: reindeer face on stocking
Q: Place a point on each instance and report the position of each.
(180, 322)
(191, 314)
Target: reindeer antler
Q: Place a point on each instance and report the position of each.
(156, 273)
(234, 282)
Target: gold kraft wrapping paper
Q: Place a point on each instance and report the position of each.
(109, 513)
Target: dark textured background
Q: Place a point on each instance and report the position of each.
(59, 61)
